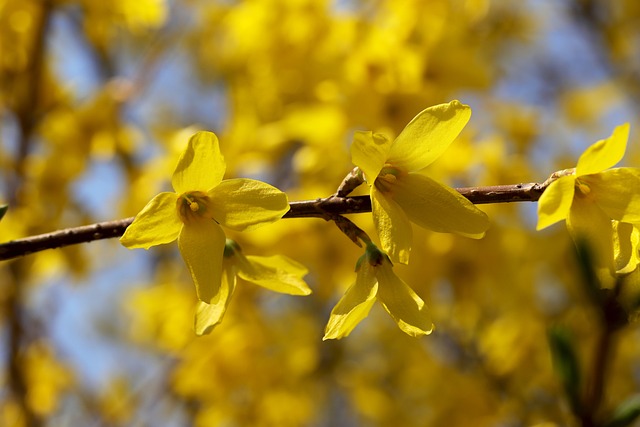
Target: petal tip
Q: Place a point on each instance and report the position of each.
(457, 104)
(422, 332)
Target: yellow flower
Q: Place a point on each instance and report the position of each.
(593, 195)
(277, 273)
(375, 279)
(202, 201)
(399, 194)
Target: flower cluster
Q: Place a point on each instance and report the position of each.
(400, 193)
(599, 203)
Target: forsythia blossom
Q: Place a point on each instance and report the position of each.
(277, 273)
(401, 195)
(202, 201)
(590, 196)
(375, 279)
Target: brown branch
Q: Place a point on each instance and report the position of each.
(325, 208)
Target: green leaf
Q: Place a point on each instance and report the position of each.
(565, 361)
(3, 210)
(626, 413)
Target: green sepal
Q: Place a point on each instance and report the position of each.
(374, 255)
(3, 210)
(231, 247)
(565, 362)
(359, 262)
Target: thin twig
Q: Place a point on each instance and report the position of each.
(66, 237)
(350, 182)
(325, 208)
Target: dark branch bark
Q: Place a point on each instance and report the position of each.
(325, 208)
(66, 237)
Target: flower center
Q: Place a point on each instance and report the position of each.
(386, 178)
(192, 205)
(583, 187)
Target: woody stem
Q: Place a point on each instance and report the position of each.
(326, 208)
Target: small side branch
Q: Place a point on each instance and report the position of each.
(326, 208)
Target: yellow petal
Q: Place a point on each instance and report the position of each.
(393, 226)
(437, 207)
(157, 223)
(555, 202)
(201, 166)
(617, 192)
(369, 153)
(402, 303)
(277, 273)
(209, 315)
(245, 204)
(605, 153)
(626, 238)
(201, 244)
(354, 305)
(428, 135)
(589, 224)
